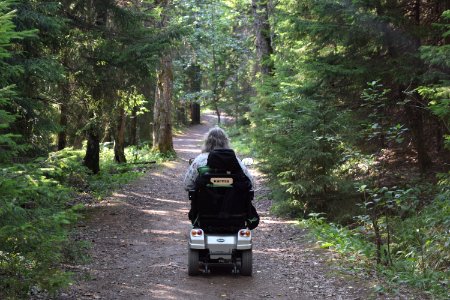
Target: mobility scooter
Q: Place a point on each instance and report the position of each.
(222, 215)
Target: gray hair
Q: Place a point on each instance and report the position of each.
(216, 138)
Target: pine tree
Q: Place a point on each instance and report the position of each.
(9, 144)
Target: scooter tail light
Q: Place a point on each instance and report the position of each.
(196, 232)
(245, 233)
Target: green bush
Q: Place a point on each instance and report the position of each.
(37, 210)
(414, 240)
(33, 228)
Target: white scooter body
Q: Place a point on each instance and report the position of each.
(213, 249)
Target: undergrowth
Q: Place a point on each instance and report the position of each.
(409, 249)
(400, 234)
(240, 140)
(37, 210)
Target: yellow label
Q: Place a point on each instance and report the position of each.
(222, 181)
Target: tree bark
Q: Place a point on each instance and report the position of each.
(108, 135)
(195, 113)
(194, 85)
(92, 157)
(415, 111)
(119, 137)
(64, 111)
(62, 134)
(263, 42)
(415, 117)
(216, 108)
(133, 128)
(162, 116)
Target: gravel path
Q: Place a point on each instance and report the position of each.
(139, 247)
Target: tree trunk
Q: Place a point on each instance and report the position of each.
(162, 120)
(119, 137)
(263, 41)
(92, 157)
(195, 113)
(415, 117)
(194, 85)
(144, 122)
(108, 135)
(64, 110)
(133, 128)
(439, 136)
(218, 115)
(236, 114)
(378, 239)
(415, 111)
(78, 142)
(62, 134)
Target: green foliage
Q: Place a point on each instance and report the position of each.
(33, 227)
(351, 244)
(414, 240)
(376, 104)
(37, 209)
(39, 73)
(438, 93)
(9, 146)
(299, 136)
(219, 46)
(113, 175)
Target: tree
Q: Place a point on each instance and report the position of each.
(437, 58)
(114, 59)
(37, 85)
(162, 113)
(9, 145)
(263, 40)
(325, 52)
(220, 47)
(162, 119)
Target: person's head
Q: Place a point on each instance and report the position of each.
(216, 138)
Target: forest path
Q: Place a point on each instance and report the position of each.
(139, 247)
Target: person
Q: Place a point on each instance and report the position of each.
(217, 155)
(216, 140)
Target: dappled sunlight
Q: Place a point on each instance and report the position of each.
(112, 202)
(184, 150)
(119, 195)
(163, 232)
(150, 197)
(162, 291)
(167, 200)
(156, 212)
(159, 175)
(271, 221)
(170, 164)
(186, 142)
(273, 250)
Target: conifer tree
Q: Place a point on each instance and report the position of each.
(9, 141)
(162, 113)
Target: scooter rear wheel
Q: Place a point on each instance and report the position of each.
(247, 263)
(193, 262)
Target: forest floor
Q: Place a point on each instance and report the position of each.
(139, 247)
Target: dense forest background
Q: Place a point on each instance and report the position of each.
(344, 103)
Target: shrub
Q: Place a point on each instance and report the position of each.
(37, 210)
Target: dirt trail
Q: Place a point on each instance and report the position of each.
(139, 238)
